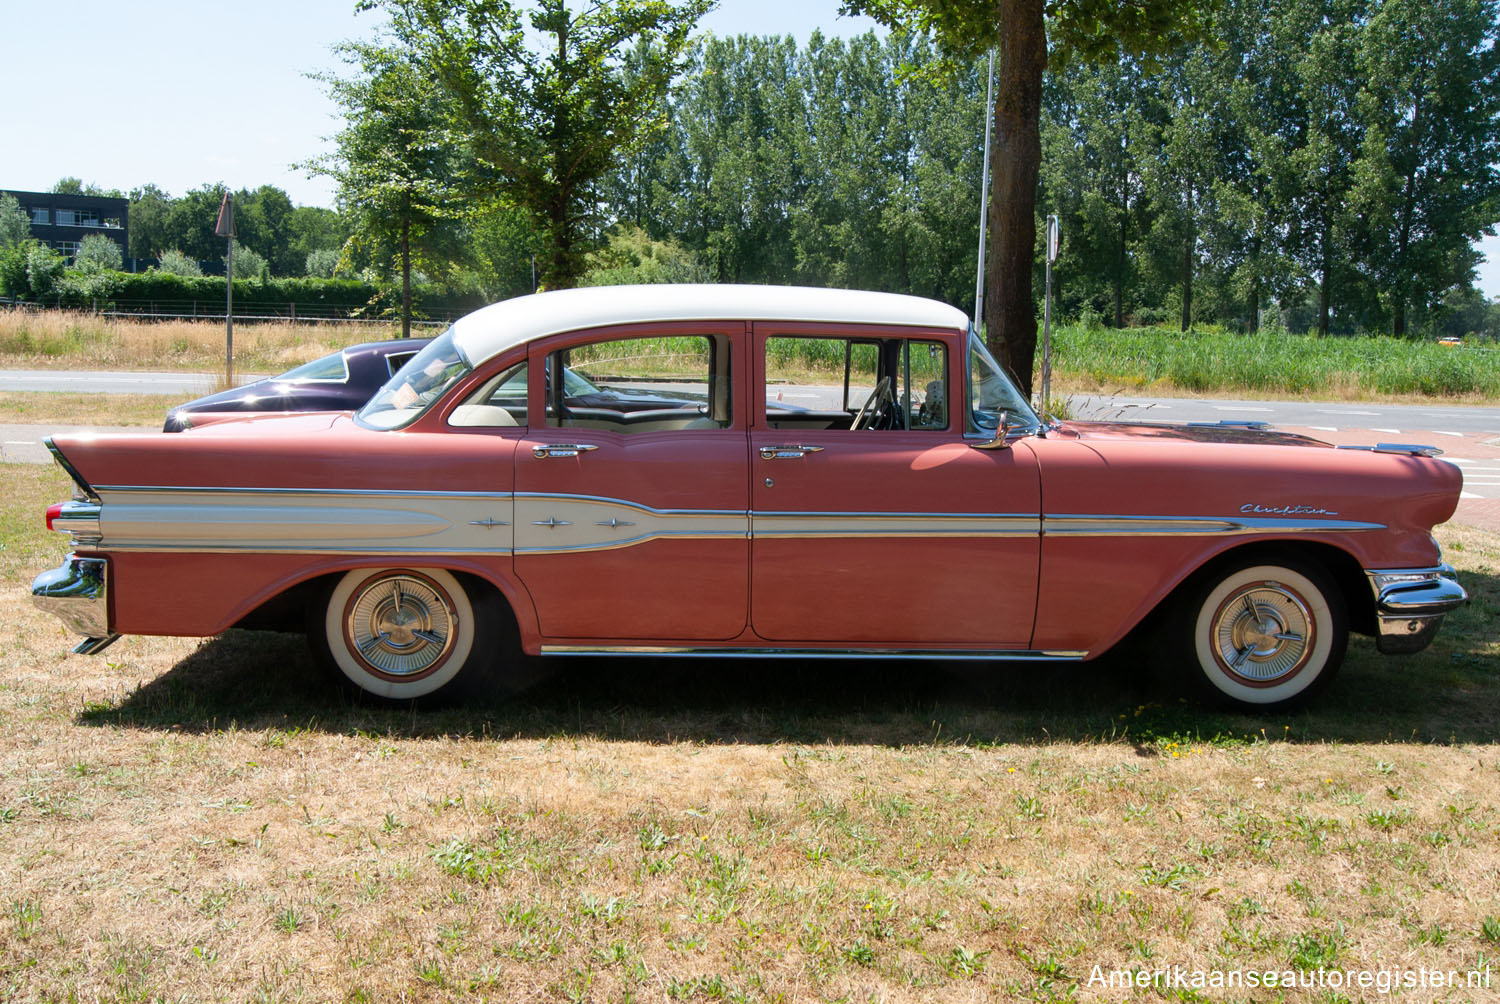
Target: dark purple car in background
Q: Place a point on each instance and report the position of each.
(342, 381)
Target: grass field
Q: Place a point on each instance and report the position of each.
(66, 340)
(212, 820)
(1273, 365)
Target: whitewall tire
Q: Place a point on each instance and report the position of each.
(1265, 635)
(399, 633)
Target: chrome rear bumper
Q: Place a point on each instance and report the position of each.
(1410, 605)
(77, 593)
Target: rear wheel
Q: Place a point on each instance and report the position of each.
(406, 633)
(1264, 635)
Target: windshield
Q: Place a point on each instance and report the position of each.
(991, 393)
(416, 385)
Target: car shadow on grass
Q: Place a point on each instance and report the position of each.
(1449, 694)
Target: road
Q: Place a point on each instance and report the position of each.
(188, 385)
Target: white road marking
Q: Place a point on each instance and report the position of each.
(20, 442)
(1394, 432)
(1221, 407)
(1440, 432)
(1324, 428)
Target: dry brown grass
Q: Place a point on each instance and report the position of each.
(213, 821)
(70, 340)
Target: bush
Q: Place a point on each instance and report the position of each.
(98, 254)
(322, 264)
(248, 264)
(174, 262)
(44, 267)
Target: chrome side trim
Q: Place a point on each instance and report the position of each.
(76, 593)
(304, 492)
(1077, 525)
(670, 651)
(774, 525)
(577, 523)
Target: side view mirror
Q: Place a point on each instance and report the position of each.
(1002, 430)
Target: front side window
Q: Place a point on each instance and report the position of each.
(992, 397)
(843, 383)
(634, 385)
(416, 386)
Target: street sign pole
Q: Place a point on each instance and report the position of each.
(225, 228)
(1054, 237)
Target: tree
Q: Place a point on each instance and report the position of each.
(396, 165)
(15, 227)
(150, 213)
(1426, 184)
(1018, 30)
(547, 124)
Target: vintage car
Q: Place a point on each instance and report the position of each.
(340, 381)
(733, 470)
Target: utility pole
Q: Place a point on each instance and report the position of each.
(225, 228)
(984, 191)
(1054, 238)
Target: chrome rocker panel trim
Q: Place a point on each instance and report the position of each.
(1410, 604)
(964, 655)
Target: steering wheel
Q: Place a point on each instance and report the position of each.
(878, 397)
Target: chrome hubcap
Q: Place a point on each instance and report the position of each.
(1262, 634)
(400, 626)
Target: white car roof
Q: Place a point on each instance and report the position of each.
(492, 330)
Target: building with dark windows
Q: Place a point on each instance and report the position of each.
(63, 221)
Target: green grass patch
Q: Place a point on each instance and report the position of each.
(1207, 363)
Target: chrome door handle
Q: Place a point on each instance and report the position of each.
(788, 452)
(561, 450)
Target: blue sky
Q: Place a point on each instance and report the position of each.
(183, 93)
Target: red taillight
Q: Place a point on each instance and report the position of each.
(53, 511)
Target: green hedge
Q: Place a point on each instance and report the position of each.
(136, 291)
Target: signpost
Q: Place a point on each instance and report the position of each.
(225, 228)
(1054, 238)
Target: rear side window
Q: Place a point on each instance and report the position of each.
(634, 385)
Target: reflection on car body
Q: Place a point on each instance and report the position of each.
(726, 470)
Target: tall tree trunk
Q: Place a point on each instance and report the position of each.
(406, 274)
(1326, 278)
(1119, 269)
(1188, 247)
(1009, 311)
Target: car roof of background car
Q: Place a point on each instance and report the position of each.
(492, 330)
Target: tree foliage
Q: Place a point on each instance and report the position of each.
(545, 100)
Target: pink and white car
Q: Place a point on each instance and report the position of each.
(733, 470)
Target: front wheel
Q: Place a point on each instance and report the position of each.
(1264, 635)
(405, 633)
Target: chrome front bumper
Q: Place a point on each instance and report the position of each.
(77, 593)
(1410, 604)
